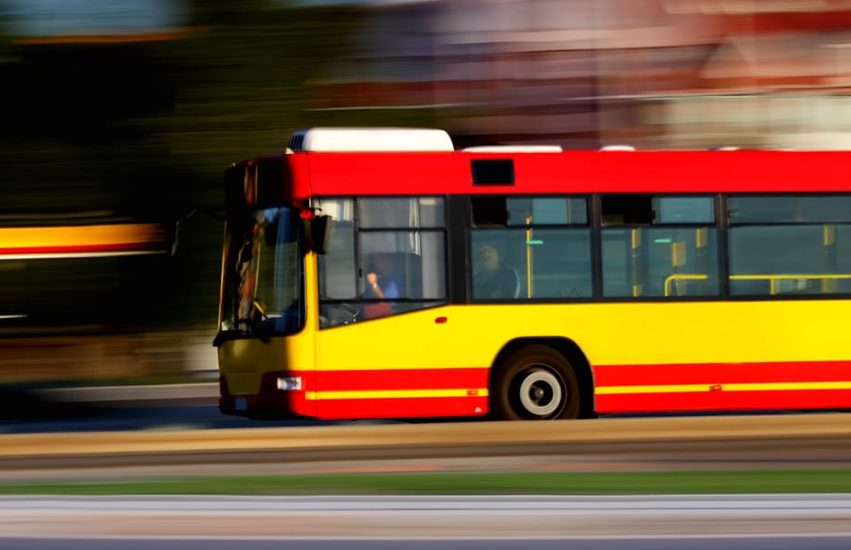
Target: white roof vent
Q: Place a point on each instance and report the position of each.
(514, 149)
(617, 148)
(370, 139)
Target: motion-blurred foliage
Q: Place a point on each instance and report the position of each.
(141, 127)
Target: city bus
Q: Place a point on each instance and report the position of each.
(381, 273)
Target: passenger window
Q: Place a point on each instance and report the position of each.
(547, 257)
(683, 210)
(790, 245)
(659, 247)
(626, 210)
(547, 211)
(660, 262)
(790, 209)
(489, 211)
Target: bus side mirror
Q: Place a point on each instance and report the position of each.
(318, 233)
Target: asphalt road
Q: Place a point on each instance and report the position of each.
(757, 521)
(558, 543)
(609, 444)
(143, 431)
(93, 417)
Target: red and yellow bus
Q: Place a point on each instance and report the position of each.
(381, 273)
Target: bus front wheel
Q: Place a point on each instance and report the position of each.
(535, 383)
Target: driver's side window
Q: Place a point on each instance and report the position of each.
(385, 256)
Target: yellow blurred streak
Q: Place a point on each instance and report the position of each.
(81, 236)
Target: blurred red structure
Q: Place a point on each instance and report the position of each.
(658, 73)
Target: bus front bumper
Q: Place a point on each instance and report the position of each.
(274, 400)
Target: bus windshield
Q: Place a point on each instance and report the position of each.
(264, 290)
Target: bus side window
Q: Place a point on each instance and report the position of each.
(661, 247)
(527, 248)
(413, 261)
(489, 211)
(626, 210)
(795, 244)
(387, 255)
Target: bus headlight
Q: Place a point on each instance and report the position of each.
(289, 383)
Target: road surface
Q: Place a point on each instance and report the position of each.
(612, 444)
(709, 521)
(557, 543)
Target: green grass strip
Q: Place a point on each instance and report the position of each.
(700, 482)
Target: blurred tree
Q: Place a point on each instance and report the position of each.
(141, 127)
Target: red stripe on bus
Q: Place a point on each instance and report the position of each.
(423, 407)
(724, 401)
(712, 375)
(580, 172)
(401, 379)
(721, 373)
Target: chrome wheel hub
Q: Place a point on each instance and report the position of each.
(541, 393)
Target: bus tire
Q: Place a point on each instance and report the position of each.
(535, 383)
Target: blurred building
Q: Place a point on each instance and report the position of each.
(655, 73)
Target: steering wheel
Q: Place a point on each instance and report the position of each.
(339, 314)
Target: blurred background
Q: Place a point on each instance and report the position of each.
(124, 113)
